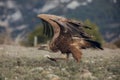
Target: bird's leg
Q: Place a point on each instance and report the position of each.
(76, 52)
(67, 57)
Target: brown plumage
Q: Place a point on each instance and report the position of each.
(68, 35)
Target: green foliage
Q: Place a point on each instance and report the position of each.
(94, 32)
(41, 38)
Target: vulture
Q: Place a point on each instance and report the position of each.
(68, 36)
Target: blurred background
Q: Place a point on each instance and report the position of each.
(19, 22)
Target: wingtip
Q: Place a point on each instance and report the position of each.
(102, 48)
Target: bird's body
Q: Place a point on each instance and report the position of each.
(68, 35)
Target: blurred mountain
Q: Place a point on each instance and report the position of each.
(18, 17)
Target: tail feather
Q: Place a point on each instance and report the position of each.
(95, 44)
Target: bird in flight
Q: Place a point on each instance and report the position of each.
(68, 36)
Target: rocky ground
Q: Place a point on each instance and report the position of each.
(21, 63)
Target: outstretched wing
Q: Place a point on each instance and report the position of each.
(55, 24)
(76, 29)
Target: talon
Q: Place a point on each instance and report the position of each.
(52, 59)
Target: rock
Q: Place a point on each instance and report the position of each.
(36, 69)
(86, 74)
(53, 77)
(45, 72)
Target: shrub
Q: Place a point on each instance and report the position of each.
(94, 32)
(38, 32)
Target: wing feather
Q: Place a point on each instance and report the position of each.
(74, 30)
(78, 24)
(44, 27)
(47, 29)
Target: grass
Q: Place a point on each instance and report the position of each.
(90, 68)
(34, 69)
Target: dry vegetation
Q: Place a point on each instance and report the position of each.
(20, 63)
